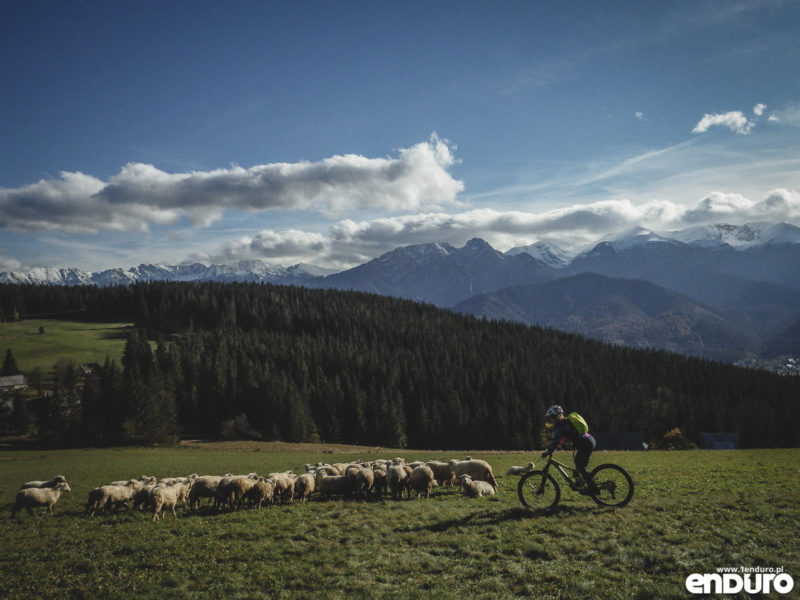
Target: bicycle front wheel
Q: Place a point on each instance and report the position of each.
(614, 485)
(538, 490)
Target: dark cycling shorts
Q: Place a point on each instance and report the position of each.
(584, 446)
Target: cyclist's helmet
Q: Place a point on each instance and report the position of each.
(553, 411)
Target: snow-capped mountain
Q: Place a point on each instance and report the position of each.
(440, 273)
(548, 252)
(739, 236)
(249, 270)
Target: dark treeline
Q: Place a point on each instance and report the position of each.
(357, 368)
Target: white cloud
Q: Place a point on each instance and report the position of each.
(9, 264)
(348, 243)
(640, 116)
(759, 109)
(141, 195)
(734, 120)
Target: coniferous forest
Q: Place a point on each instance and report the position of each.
(294, 364)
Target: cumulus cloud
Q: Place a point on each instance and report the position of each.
(348, 242)
(733, 120)
(141, 195)
(759, 109)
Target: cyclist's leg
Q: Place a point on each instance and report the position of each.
(583, 451)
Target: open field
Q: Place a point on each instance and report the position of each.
(83, 342)
(692, 512)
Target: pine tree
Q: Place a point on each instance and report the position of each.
(10, 364)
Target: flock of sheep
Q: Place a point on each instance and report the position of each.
(366, 480)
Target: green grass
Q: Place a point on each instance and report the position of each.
(82, 342)
(692, 512)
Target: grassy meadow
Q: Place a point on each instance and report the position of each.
(692, 512)
(83, 342)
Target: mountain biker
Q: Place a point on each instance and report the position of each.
(583, 443)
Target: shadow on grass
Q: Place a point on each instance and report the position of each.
(490, 517)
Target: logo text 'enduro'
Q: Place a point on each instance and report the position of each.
(733, 583)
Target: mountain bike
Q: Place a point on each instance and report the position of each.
(539, 490)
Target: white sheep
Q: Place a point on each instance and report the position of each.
(422, 480)
(441, 472)
(365, 481)
(44, 484)
(262, 491)
(231, 489)
(397, 480)
(326, 485)
(34, 497)
(520, 470)
(284, 485)
(112, 496)
(304, 486)
(204, 487)
(164, 496)
(477, 469)
(379, 482)
(475, 489)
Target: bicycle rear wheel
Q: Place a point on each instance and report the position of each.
(615, 486)
(538, 490)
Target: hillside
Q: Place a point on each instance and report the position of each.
(628, 312)
(347, 367)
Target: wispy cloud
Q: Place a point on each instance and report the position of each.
(141, 195)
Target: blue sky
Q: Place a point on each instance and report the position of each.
(331, 132)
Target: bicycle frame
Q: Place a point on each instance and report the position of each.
(574, 481)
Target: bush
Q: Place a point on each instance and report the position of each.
(676, 440)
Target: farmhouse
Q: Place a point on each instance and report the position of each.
(10, 383)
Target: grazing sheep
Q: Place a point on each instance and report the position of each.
(111, 496)
(143, 481)
(397, 481)
(422, 480)
(327, 485)
(475, 489)
(142, 497)
(304, 486)
(477, 469)
(284, 485)
(204, 487)
(441, 472)
(34, 497)
(520, 470)
(44, 484)
(164, 496)
(365, 481)
(379, 482)
(231, 489)
(262, 491)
